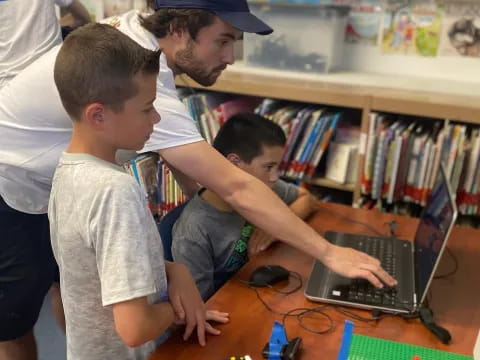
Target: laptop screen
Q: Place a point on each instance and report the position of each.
(435, 225)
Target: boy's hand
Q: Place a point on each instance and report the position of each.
(259, 241)
(186, 300)
(355, 264)
(211, 315)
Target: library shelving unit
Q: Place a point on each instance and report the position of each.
(423, 97)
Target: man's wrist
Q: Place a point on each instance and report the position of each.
(324, 250)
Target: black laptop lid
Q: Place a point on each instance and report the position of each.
(436, 222)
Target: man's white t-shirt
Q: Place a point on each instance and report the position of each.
(29, 29)
(35, 128)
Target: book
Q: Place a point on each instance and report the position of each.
(459, 34)
(366, 181)
(305, 134)
(312, 143)
(397, 151)
(342, 162)
(405, 157)
(323, 145)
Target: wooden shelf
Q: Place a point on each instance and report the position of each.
(321, 181)
(332, 184)
(303, 90)
(428, 104)
(463, 104)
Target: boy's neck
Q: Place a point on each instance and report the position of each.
(216, 201)
(84, 144)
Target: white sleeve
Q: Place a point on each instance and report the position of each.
(176, 126)
(63, 3)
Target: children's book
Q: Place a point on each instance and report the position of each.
(411, 28)
(363, 24)
(460, 35)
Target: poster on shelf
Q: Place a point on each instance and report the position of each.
(460, 34)
(411, 29)
(363, 24)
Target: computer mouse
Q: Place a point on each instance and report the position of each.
(268, 275)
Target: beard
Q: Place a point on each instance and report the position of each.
(187, 63)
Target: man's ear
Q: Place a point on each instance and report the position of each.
(234, 159)
(95, 115)
(178, 34)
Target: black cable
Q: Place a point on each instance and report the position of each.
(300, 313)
(305, 311)
(295, 289)
(455, 266)
(294, 274)
(392, 226)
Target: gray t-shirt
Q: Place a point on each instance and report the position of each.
(213, 243)
(108, 249)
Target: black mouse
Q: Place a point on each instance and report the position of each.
(268, 275)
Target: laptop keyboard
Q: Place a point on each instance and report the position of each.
(361, 290)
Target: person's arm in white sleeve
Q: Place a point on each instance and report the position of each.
(259, 205)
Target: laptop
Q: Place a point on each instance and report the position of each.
(413, 264)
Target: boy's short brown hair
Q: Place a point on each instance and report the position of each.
(96, 64)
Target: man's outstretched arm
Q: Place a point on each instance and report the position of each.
(262, 207)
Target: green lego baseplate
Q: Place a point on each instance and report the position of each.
(368, 348)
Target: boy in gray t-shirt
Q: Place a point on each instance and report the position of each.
(209, 237)
(104, 239)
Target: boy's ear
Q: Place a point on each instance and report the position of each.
(234, 159)
(95, 115)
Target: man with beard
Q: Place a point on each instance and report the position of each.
(196, 38)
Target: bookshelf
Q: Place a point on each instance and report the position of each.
(415, 96)
(333, 184)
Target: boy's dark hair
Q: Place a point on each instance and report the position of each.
(165, 21)
(245, 135)
(96, 64)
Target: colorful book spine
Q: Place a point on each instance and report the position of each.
(323, 145)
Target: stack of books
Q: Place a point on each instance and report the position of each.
(403, 157)
(309, 130)
(156, 180)
(211, 110)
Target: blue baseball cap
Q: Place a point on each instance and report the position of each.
(234, 12)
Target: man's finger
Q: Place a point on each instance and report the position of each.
(380, 273)
(368, 275)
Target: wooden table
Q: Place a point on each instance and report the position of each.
(454, 300)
